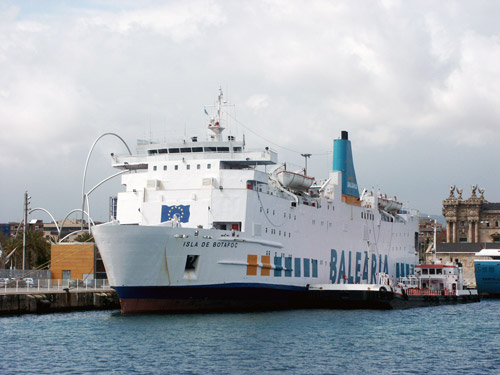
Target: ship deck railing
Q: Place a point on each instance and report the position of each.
(430, 292)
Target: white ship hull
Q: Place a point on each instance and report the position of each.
(147, 265)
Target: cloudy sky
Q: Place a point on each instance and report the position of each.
(416, 84)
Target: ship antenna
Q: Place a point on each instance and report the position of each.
(215, 123)
(219, 103)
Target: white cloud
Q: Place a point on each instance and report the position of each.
(392, 73)
(258, 101)
(178, 20)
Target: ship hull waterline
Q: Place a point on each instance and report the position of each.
(241, 298)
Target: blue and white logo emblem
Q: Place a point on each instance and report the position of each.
(170, 212)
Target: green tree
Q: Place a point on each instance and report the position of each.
(84, 237)
(37, 250)
(9, 244)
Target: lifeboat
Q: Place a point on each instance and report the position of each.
(294, 181)
(389, 204)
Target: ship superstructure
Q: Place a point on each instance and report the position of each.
(211, 225)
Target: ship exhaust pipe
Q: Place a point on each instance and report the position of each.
(343, 162)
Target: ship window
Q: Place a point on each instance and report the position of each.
(222, 149)
(198, 166)
(173, 150)
(152, 152)
(314, 267)
(197, 149)
(439, 271)
(176, 167)
(237, 149)
(191, 262)
(186, 149)
(154, 168)
(164, 167)
(163, 151)
(209, 166)
(210, 149)
(297, 267)
(188, 167)
(432, 271)
(307, 267)
(425, 271)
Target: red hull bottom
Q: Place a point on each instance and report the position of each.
(152, 306)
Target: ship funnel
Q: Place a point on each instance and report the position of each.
(343, 162)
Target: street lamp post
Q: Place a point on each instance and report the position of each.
(435, 230)
(26, 207)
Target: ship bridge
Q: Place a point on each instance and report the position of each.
(230, 155)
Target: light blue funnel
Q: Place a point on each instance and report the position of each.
(342, 161)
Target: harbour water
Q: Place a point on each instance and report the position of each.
(458, 339)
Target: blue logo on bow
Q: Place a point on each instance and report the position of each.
(170, 212)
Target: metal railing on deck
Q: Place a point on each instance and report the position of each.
(430, 292)
(49, 285)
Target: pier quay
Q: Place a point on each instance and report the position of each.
(37, 302)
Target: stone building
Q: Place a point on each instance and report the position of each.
(471, 225)
(473, 220)
(71, 229)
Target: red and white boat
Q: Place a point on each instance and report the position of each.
(437, 283)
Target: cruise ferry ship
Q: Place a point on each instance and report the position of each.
(210, 225)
